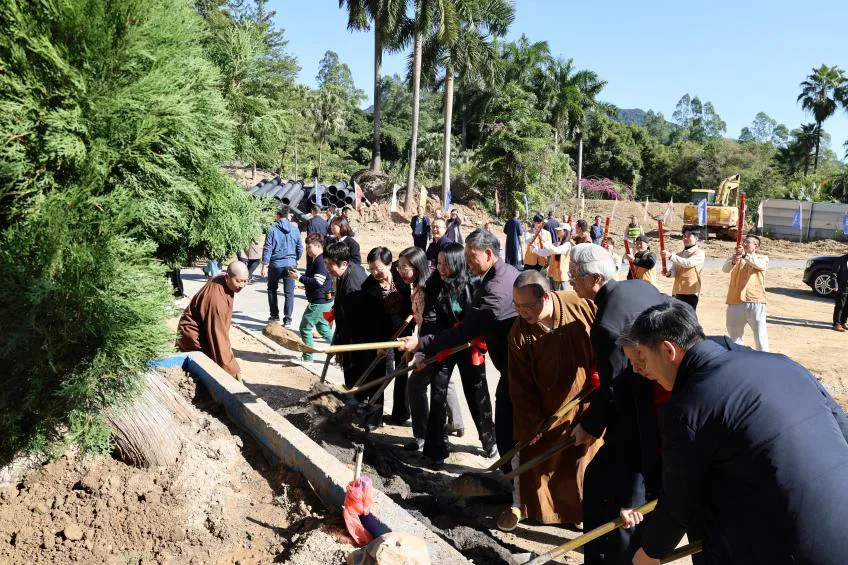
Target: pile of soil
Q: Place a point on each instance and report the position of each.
(221, 502)
(424, 493)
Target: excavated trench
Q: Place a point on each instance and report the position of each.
(426, 494)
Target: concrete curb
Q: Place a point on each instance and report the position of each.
(325, 473)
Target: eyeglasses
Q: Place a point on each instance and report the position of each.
(526, 307)
(405, 268)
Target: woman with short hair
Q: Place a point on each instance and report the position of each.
(341, 230)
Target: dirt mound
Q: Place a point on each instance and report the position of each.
(221, 502)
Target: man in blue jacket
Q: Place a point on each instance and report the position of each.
(281, 253)
(754, 450)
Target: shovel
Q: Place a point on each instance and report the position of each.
(580, 541)
(377, 382)
(377, 359)
(680, 553)
(543, 427)
(291, 340)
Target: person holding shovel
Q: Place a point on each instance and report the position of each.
(686, 269)
(491, 315)
(754, 452)
(205, 323)
(348, 308)
(625, 472)
(388, 303)
(550, 362)
(449, 297)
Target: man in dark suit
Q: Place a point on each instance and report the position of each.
(491, 315)
(420, 225)
(625, 472)
(754, 450)
(316, 223)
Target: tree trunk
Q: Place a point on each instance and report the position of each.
(818, 142)
(376, 165)
(320, 155)
(416, 108)
(253, 171)
(447, 134)
(147, 432)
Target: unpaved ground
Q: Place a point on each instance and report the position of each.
(799, 326)
(222, 502)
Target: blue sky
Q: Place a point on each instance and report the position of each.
(744, 56)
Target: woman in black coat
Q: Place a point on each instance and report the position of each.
(387, 302)
(341, 230)
(448, 296)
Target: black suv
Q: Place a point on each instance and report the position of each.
(819, 274)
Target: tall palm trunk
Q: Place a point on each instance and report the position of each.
(376, 165)
(818, 142)
(416, 105)
(320, 156)
(447, 135)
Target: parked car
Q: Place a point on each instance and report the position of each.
(819, 275)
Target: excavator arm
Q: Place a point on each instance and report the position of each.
(728, 190)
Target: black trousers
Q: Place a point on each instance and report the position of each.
(354, 365)
(503, 419)
(476, 395)
(840, 309)
(690, 299)
(420, 241)
(176, 282)
(599, 506)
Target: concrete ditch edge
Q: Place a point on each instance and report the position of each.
(327, 475)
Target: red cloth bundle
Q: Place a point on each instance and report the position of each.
(359, 498)
(330, 315)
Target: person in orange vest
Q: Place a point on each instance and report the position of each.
(686, 269)
(644, 261)
(746, 295)
(540, 238)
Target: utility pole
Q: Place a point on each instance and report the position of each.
(579, 164)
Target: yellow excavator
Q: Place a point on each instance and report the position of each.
(722, 209)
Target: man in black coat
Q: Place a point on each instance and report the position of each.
(754, 451)
(491, 315)
(420, 225)
(625, 472)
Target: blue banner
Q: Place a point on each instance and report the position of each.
(447, 201)
(702, 212)
(796, 221)
(845, 225)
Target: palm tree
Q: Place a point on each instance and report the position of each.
(471, 58)
(328, 110)
(570, 95)
(435, 20)
(820, 93)
(387, 17)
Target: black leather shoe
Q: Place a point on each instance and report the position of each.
(413, 445)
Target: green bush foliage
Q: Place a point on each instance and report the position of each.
(114, 127)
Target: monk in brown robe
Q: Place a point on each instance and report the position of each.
(550, 362)
(205, 323)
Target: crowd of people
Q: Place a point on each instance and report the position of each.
(743, 449)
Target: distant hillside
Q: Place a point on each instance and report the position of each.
(632, 116)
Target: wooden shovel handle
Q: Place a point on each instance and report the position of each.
(377, 359)
(542, 457)
(589, 536)
(348, 347)
(681, 552)
(543, 427)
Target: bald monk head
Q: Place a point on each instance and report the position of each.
(531, 297)
(237, 276)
